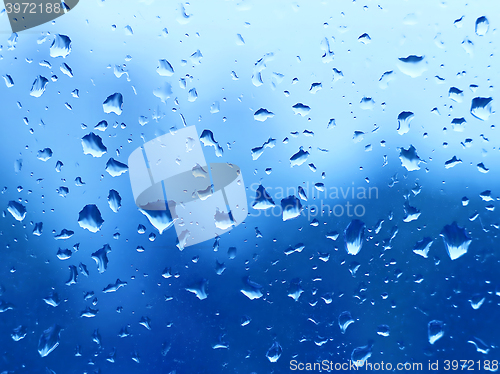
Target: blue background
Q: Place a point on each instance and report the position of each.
(294, 32)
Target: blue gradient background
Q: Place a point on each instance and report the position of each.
(192, 326)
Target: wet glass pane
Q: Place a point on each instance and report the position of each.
(249, 186)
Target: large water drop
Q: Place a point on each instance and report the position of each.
(61, 46)
(115, 168)
(90, 218)
(274, 353)
(92, 145)
(414, 66)
(409, 158)
(49, 340)
(291, 207)
(164, 68)
(435, 331)
(113, 103)
(353, 236)
(262, 199)
(482, 26)
(17, 210)
(101, 258)
(481, 107)
(456, 240)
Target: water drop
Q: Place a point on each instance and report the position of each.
(146, 322)
(223, 220)
(90, 218)
(52, 299)
(411, 213)
(274, 353)
(5, 306)
(17, 210)
(468, 46)
(299, 158)
(360, 354)
(345, 319)
(458, 124)
(163, 92)
(251, 289)
(37, 230)
(386, 78)
(476, 301)
(414, 66)
(114, 200)
(66, 70)
(262, 199)
(337, 75)
(366, 103)
(262, 114)
(196, 57)
(365, 38)
(481, 107)
(452, 162)
(486, 195)
(115, 168)
(38, 86)
(404, 119)
(73, 274)
(92, 145)
(301, 109)
(483, 169)
(258, 151)
(44, 154)
(192, 95)
(113, 287)
(480, 345)
(49, 340)
(455, 94)
(160, 219)
(315, 87)
(409, 158)
(354, 236)
(328, 54)
(482, 26)
(208, 140)
(383, 330)
(9, 82)
(456, 240)
(164, 68)
(64, 254)
(19, 333)
(113, 103)
(199, 289)
(423, 246)
(295, 289)
(291, 207)
(435, 331)
(101, 258)
(61, 46)
(219, 267)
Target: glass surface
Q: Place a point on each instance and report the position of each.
(362, 135)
